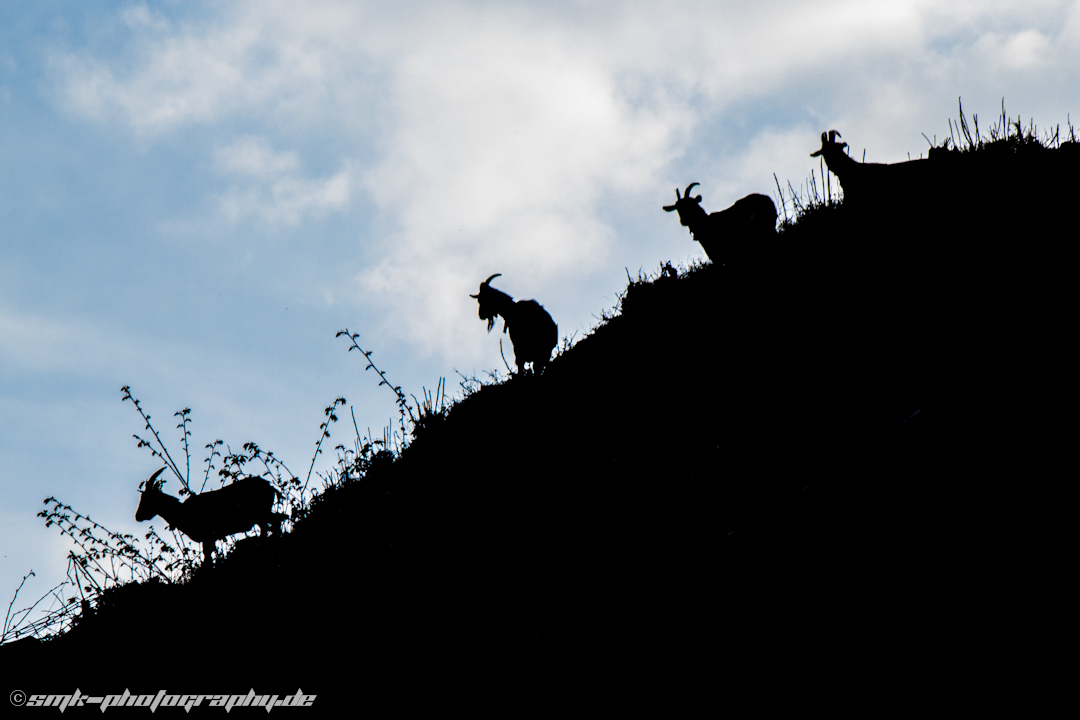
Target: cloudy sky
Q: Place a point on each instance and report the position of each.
(195, 196)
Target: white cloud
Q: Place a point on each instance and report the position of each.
(1024, 50)
(506, 135)
(270, 186)
(166, 75)
(253, 156)
(491, 134)
(36, 344)
(140, 17)
(182, 83)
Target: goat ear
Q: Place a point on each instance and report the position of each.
(697, 199)
(669, 208)
(474, 296)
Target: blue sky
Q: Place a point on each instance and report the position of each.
(194, 197)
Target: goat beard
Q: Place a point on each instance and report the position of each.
(491, 323)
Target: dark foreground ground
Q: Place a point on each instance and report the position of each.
(830, 477)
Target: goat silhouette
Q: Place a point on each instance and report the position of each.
(215, 515)
(533, 332)
(914, 184)
(729, 234)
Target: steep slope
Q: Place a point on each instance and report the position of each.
(822, 438)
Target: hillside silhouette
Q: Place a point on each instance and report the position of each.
(840, 442)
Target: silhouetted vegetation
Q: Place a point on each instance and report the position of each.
(838, 443)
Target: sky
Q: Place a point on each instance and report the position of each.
(196, 196)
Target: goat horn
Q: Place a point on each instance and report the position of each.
(152, 478)
(833, 134)
(689, 187)
(491, 278)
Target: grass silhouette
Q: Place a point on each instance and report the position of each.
(830, 445)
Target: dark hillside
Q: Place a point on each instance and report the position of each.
(842, 443)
